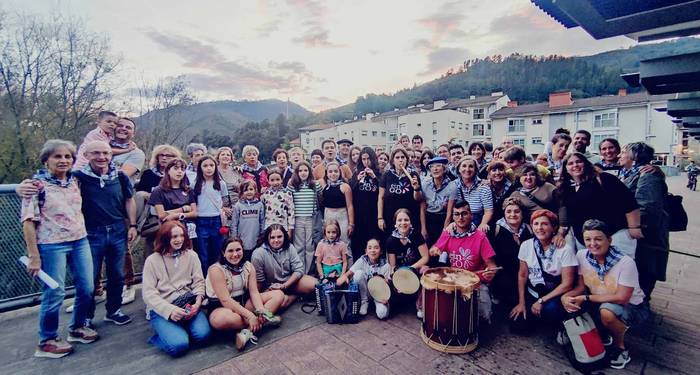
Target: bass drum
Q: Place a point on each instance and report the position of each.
(450, 310)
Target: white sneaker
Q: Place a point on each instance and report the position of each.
(363, 308)
(243, 337)
(128, 295)
(419, 314)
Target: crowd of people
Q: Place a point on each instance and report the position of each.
(230, 245)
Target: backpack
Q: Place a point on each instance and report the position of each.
(678, 218)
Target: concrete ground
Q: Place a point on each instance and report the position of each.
(305, 344)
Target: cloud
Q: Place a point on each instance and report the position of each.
(440, 60)
(195, 53)
(315, 14)
(268, 28)
(531, 31)
(327, 100)
(212, 72)
(445, 23)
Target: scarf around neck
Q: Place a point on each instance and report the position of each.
(503, 223)
(111, 174)
(234, 268)
(247, 168)
(380, 262)
(331, 243)
(46, 176)
(115, 144)
(396, 234)
(629, 172)
(468, 233)
(611, 259)
(546, 255)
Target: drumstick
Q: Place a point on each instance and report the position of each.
(489, 269)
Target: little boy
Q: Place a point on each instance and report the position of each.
(106, 123)
(369, 265)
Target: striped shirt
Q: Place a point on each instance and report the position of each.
(305, 200)
(479, 196)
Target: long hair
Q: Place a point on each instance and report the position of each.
(564, 183)
(325, 175)
(265, 238)
(373, 164)
(200, 176)
(296, 181)
(423, 154)
(478, 145)
(164, 235)
(165, 182)
(393, 154)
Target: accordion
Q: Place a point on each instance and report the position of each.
(340, 306)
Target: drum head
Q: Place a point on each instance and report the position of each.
(379, 289)
(406, 281)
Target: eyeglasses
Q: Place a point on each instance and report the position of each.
(167, 155)
(462, 214)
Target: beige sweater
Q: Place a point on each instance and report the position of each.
(159, 291)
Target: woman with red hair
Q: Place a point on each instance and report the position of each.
(173, 290)
(546, 273)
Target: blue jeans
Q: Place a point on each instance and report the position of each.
(174, 337)
(53, 261)
(209, 240)
(109, 243)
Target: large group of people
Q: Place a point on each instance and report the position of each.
(230, 245)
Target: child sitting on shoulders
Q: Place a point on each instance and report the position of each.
(104, 131)
(331, 253)
(367, 266)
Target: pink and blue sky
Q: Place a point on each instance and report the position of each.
(320, 54)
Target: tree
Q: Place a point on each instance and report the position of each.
(164, 116)
(54, 80)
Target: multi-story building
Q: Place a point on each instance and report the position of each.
(628, 118)
(443, 121)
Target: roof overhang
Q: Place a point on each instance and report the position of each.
(686, 105)
(666, 75)
(638, 20)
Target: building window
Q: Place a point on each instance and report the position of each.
(519, 142)
(478, 113)
(536, 121)
(364, 133)
(536, 140)
(478, 130)
(434, 143)
(488, 129)
(460, 126)
(383, 134)
(323, 139)
(308, 141)
(434, 128)
(516, 126)
(392, 136)
(605, 120)
(597, 138)
(374, 133)
(418, 125)
(452, 124)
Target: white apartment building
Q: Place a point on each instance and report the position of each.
(628, 118)
(361, 132)
(452, 121)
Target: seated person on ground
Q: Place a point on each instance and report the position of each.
(373, 263)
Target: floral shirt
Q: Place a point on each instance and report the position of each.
(279, 207)
(57, 214)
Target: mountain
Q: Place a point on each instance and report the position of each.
(525, 78)
(226, 116)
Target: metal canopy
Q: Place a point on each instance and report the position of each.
(666, 75)
(638, 20)
(684, 106)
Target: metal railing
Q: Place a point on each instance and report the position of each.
(18, 289)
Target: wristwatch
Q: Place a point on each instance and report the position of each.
(181, 217)
(541, 301)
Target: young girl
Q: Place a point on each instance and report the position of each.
(304, 190)
(365, 192)
(373, 263)
(212, 195)
(248, 218)
(279, 204)
(336, 197)
(331, 253)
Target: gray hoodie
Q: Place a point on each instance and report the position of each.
(248, 222)
(276, 266)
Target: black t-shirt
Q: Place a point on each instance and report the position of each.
(608, 200)
(407, 254)
(104, 205)
(171, 199)
(398, 193)
(149, 181)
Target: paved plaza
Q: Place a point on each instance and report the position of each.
(305, 344)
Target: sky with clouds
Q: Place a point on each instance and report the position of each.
(319, 54)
